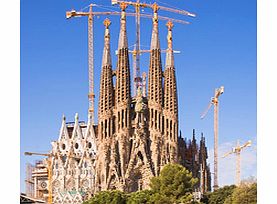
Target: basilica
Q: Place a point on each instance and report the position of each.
(134, 136)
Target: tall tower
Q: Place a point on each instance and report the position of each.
(105, 113)
(204, 174)
(155, 95)
(170, 112)
(123, 95)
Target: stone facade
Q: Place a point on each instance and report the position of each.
(73, 162)
(194, 158)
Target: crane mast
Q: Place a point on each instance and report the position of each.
(91, 65)
(136, 54)
(214, 101)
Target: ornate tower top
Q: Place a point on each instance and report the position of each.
(123, 6)
(122, 35)
(155, 42)
(169, 53)
(107, 23)
(106, 59)
(106, 85)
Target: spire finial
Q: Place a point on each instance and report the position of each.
(169, 25)
(76, 117)
(107, 23)
(123, 6)
(122, 34)
(155, 44)
(106, 58)
(64, 118)
(89, 117)
(155, 7)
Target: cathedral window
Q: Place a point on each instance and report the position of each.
(118, 119)
(159, 125)
(102, 129)
(105, 129)
(126, 118)
(113, 125)
(122, 118)
(163, 125)
(156, 119)
(63, 146)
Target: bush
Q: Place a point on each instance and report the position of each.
(220, 195)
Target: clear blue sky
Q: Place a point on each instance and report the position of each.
(218, 48)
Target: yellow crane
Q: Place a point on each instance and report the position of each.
(214, 101)
(136, 52)
(49, 158)
(236, 150)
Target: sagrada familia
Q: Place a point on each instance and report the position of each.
(135, 136)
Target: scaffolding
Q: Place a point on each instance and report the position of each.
(29, 181)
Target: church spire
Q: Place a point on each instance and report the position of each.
(106, 59)
(170, 85)
(155, 96)
(123, 94)
(155, 41)
(106, 86)
(123, 70)
(123, 42)
(155, 68)
(170, 111)
(169, 53)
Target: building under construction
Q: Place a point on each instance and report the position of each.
(135, 135)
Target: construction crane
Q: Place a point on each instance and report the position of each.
(91, 95)
(90, 14)
(236, 150)
(214, 101)
(137, 52)
(49, 170)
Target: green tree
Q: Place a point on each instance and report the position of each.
(173, 183)
(244, 194)
(220, 195)
(111, 197)
(140, 197)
